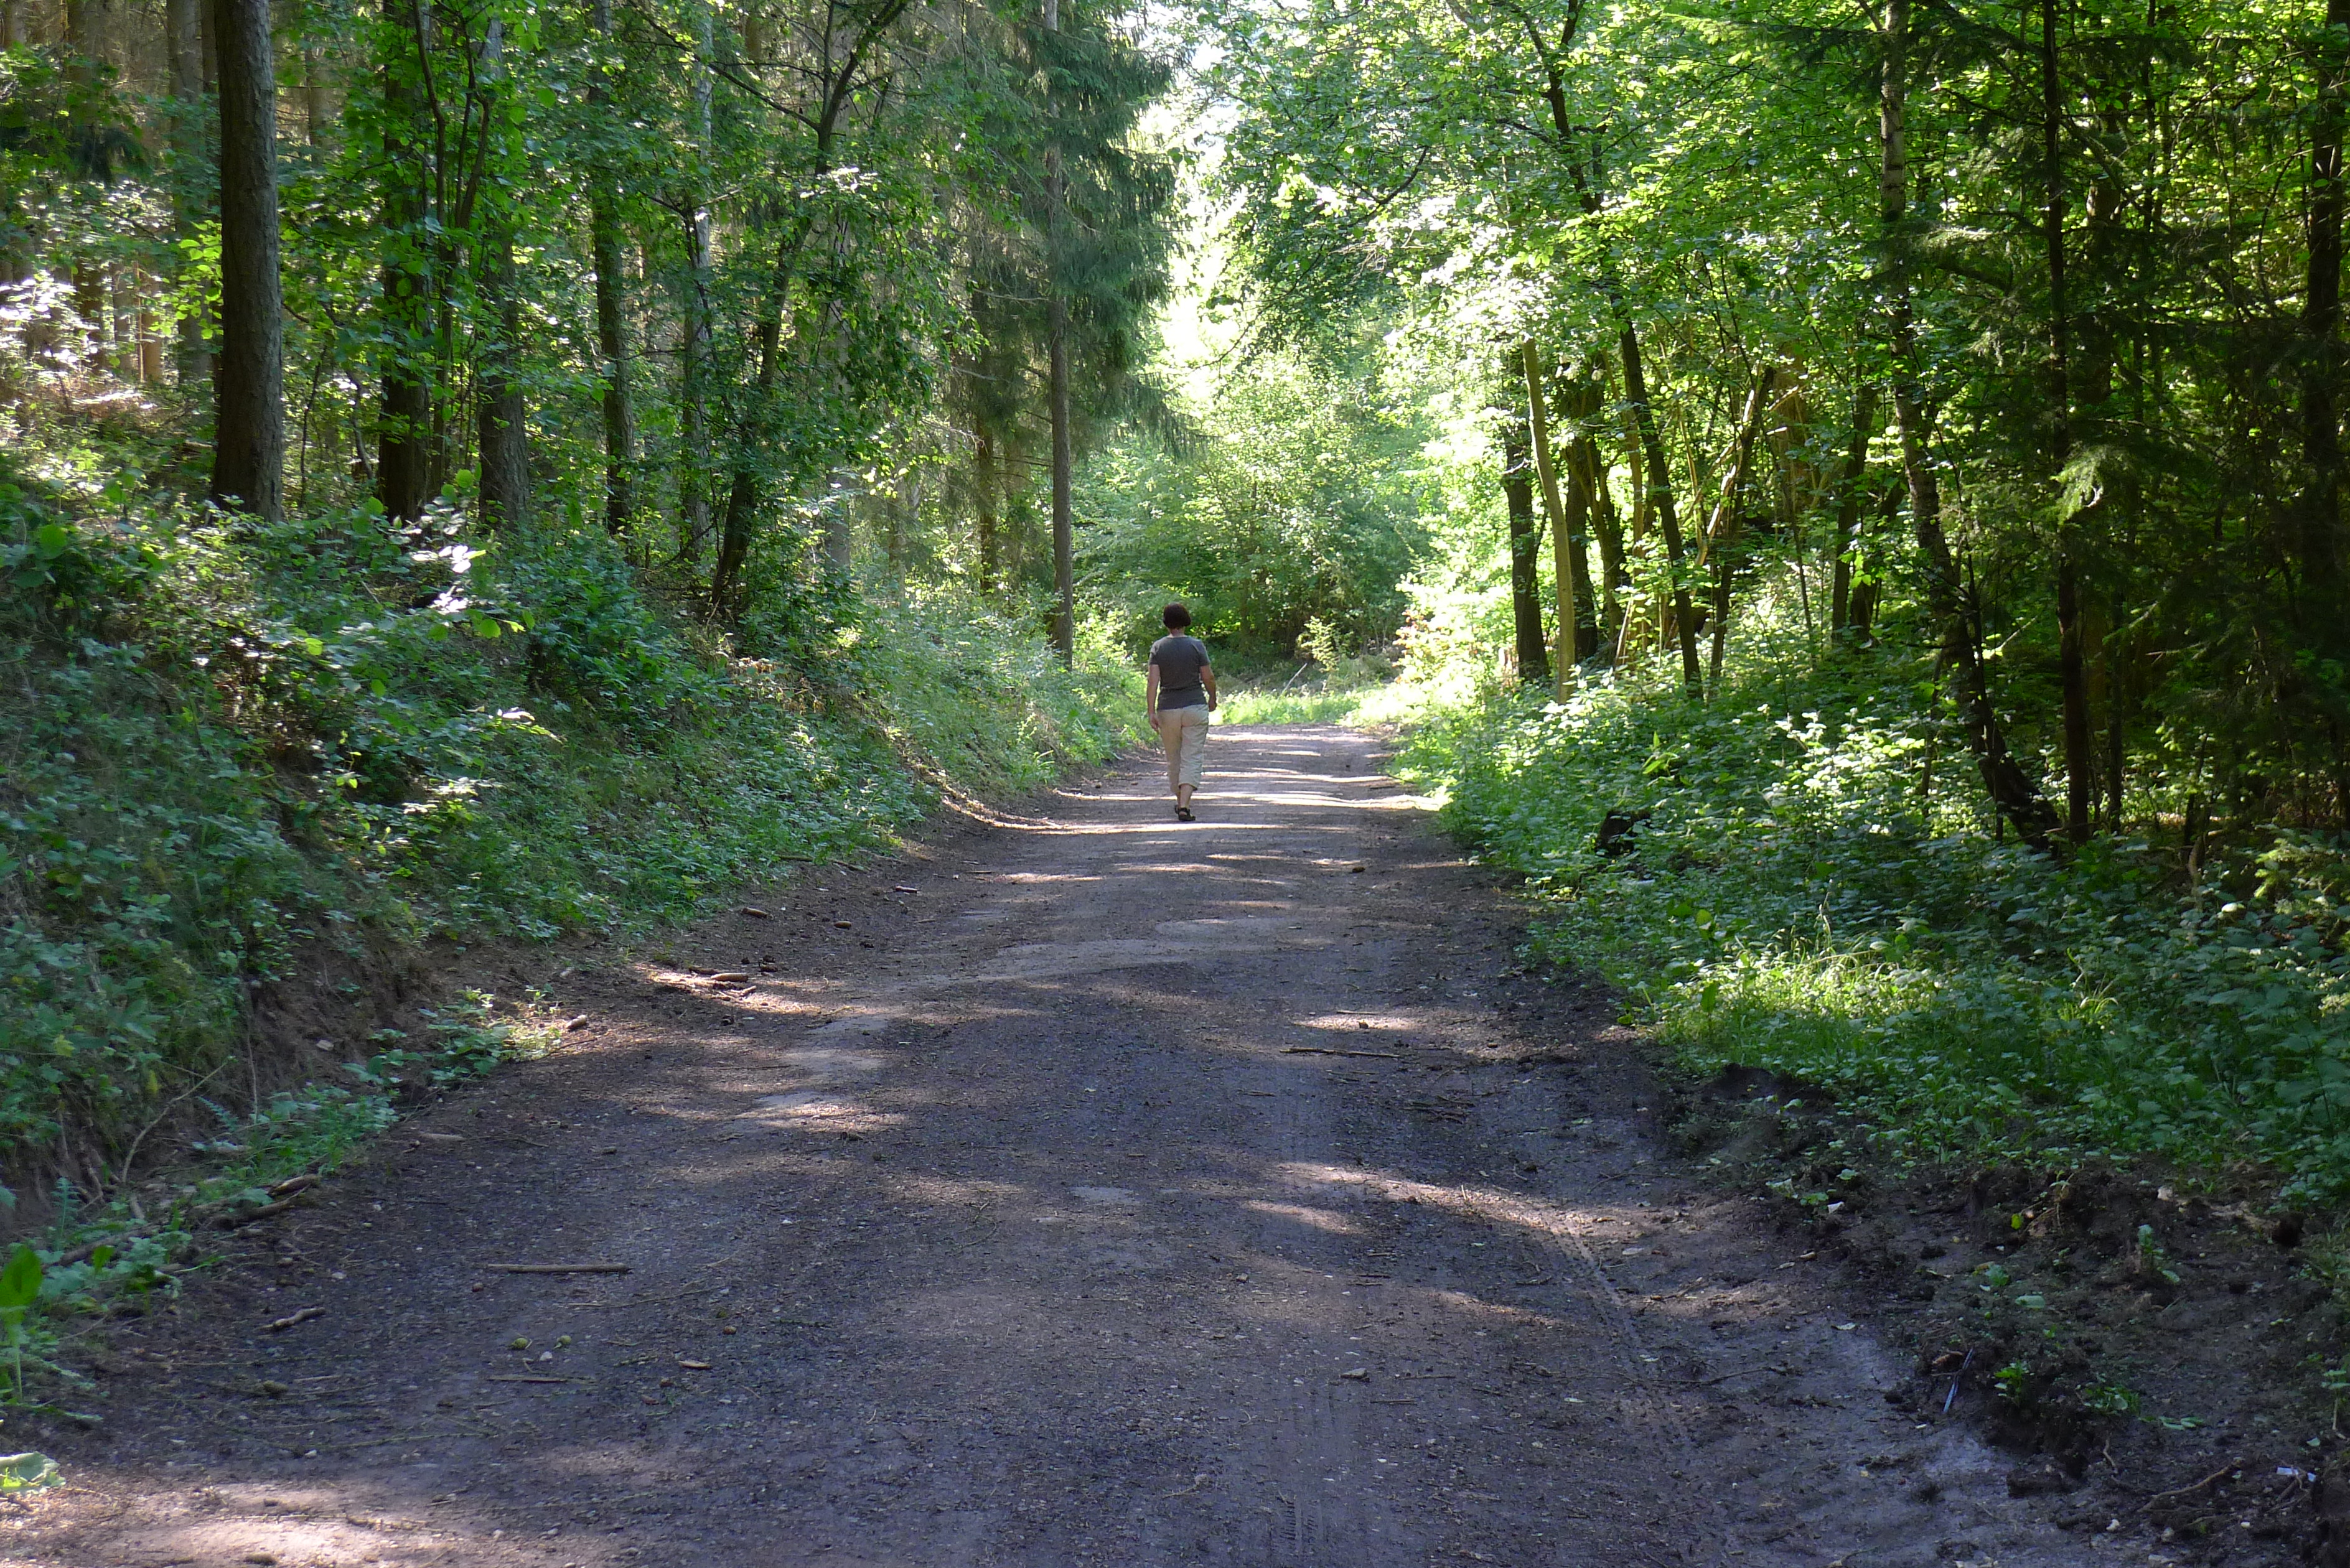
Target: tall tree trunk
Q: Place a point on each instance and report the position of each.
(1636, 626)
(2080, 769)
(1721, 529)
(1587, 475)
(249, 422)
(1570, 563)
(612, 315)
(1064, 624)
(88, 24)
(502, 419)
(1567, 540)
(1853, 484)
(183, 48)
(991, 573)
(404, 466)
(693, 362)
(2012, 794)
(1659, 477)
(2318, 541)
(2111, 514)
(317, 108)
(612, 345)
(90, 276)
(742, 495)
(1525, 534)
(151, 344)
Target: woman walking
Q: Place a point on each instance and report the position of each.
(1179, 693)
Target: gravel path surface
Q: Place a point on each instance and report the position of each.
(1073, 1190)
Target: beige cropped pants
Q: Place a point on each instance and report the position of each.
(1183, 731)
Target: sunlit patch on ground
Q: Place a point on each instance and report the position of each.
(1360, 1021)
(821, 1112)
(1319, 1219)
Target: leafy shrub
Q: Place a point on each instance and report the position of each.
(227, 746)
(1793, 894)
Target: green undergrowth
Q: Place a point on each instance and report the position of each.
(1792, 898)
(248, 770)
(1316, 704)
(1328, 687)
(101, 1255)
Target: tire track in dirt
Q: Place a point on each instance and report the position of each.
(1080, 1189)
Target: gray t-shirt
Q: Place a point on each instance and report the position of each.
(1180, 659)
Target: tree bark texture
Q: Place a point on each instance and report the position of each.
(1587, 475)
(1064, 603)
(612, 346)
(87, 26)
(184, 48)
(2011, 791)
(1525, 534)
(1567, 537)
(502, 419)
(1721, 529)
(249, 411)
(694, 476)
(2318, 543)
(1852, 486)
(991, 574)
(317, 108)
(1658, 475)
(403, 469)
(2079, 768)
(612, 320)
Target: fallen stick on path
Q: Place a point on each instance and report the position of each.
(556, 1268)
(529, 1380)
(290, 1319)
(1333, 1050)
(267, 1210)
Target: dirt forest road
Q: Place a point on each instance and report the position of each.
(1086, 1188)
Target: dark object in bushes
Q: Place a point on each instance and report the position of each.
(2041, 1479)
(2330, 1499)
(1616, 832)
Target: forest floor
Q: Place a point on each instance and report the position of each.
(1076, 1188)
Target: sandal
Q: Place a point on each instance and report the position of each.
(1183, 813)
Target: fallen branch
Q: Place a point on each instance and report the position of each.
(556, 1268)
(2183, 1490)
(1334, 1051)
(231, 1221)
(508, 1379)
(290, 1319)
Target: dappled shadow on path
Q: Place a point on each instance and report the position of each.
(1095, 1186)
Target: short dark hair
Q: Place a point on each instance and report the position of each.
(1175, 618)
